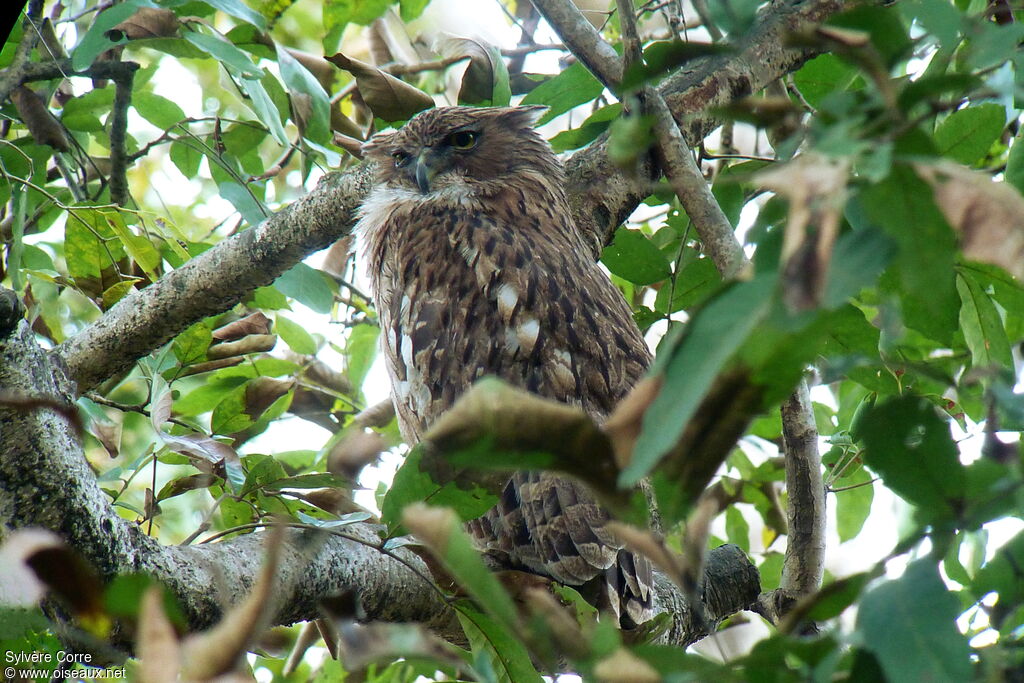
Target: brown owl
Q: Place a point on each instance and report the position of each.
(478, 269)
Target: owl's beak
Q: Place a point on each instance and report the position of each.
(428, 163)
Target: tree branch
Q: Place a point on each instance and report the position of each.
(214, 281)
(694, 193)
(583, 40)
(805, 554)
(41, 462)
(46, 481)
(602, 196)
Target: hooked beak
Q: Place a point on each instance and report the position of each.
(427, 166)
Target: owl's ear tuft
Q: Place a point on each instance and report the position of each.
(375, 143)
(526, 116)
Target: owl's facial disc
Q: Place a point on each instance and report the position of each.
(433, 160)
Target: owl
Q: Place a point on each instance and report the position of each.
(477, 268)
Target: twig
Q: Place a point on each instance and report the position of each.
(804, 565)
(118, 137)
(129, 408)
(632, 51)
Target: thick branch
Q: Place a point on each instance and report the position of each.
(46, 481)
(214, 281)
(602, 195)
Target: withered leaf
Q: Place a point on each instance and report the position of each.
(42, 125)
(256, 323)
(148, 22)
(989, 215)
(389, 98)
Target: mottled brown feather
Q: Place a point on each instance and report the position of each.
(486, 274)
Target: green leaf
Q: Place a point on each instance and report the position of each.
(80, 113)
(1015, 163)
(633, 257)
(902, 205)
(696, 281)
(308, 286)
(910, 625)
(506, 656)
(263, 106)
(360, 352)
(967, 135)
(853, 502)
(939, 17)
(239, 10)
(338, 13)
(859, 258)
(253, 211)
(410, 9)
(909, 445)
(295, 336)
(1003, 574)
(190, 346)
(712, 337)
(981, 324)
(158, 110)
(224, 52)
(883, 24)
(139, 248)
(571, 88)
(821, 76)
(413, 485)
(736, 528)
(95, 41)
(186, 157)
(229, 415)
(587, 132)
(299, 80)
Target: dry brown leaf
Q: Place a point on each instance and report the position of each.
(109, 436)
(431, 525)
(254, 343)
(148, 22)
(158, 648)
(256, 323)
(219, 651)
(564, 628)
(354, 452)
(389, 98)
(261, 392)
(989, 215)
(478, 81)
(209, 365)
(623, 426)
(622, 666)
(42, 125)
(815, 186)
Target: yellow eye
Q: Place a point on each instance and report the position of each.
(464, 139)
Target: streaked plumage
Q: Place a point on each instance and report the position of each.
(478, 269)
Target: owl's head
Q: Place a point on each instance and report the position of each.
(463, 147)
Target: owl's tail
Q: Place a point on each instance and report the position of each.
(628, 589)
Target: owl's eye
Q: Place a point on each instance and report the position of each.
(464, 139)
(401, 158)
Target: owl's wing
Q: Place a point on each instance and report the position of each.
(552, 525)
